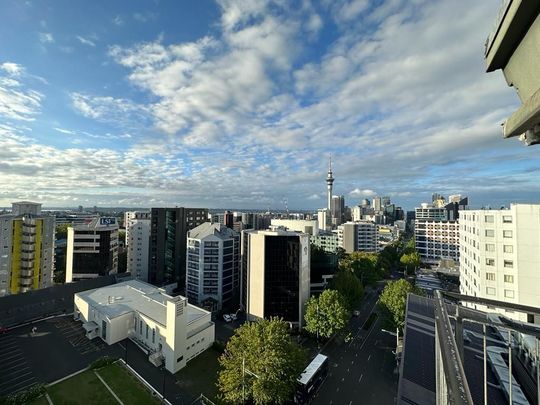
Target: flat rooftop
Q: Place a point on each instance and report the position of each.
(134, 295)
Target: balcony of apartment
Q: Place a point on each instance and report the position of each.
(27, 264)
(513, 47)
(28, 238)
(25, 282)
(28, 255)
(27, 273)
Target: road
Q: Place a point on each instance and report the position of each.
(362, 371)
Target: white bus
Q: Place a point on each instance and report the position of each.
(311, 379)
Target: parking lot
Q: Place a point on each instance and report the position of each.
(56, 348)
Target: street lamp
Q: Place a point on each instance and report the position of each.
(244, 371)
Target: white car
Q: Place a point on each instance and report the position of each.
(356, 313)
(227, 318)
(233, 317)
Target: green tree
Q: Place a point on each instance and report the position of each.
(393, 300)
(61, 231)
(326, 314)
(410, 261)
(349, 286)
(363, 265)
(261, 364)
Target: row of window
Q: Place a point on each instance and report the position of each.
(507, 278)
(509, 264)
(493, 291)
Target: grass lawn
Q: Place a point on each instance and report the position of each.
(84, 388)
(39, 401)
(126, 386)
(201, 374)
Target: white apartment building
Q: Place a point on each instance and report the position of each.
(212, 263)
(328, 241)
(500, 256)
(436, 240)
(309, 226)
(275, 275)
(358, 236)
(26, 249)
(138, 226)
(167, 328)
(92, 249)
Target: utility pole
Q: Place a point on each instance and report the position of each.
(485, 366)
(510, 366)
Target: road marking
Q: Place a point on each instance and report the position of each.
(348, 370)
(362, 327)
(350, 403)
(361, 376)
(109, 388)
(352, 362)
(15, 379)
(342, 379)
(12, 357)
(337, 389)
(369, 357)
(356, 355)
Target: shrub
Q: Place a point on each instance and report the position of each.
(102, 362)
(25, 396)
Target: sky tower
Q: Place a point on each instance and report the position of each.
(329, 183)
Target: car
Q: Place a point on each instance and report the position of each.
(356, 312)
(3, 330)
(227, 318)
(233, 317)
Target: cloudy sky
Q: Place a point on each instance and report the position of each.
(239, 103)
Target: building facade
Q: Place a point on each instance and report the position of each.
(358, 237)
(327, 241)
(168, 237)
(170, 330)
(500, 256)
(92, 250)
(275, 275)
(213, 266)
(138, 243)
(309, 226)
(26, 249)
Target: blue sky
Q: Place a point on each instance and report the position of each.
(235, 103)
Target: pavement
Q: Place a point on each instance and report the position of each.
(362, 371)
(55, 348)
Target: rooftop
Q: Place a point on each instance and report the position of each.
(215, 229)
(134, 295)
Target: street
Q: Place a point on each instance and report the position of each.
(362, 371)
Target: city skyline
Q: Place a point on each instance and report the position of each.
(218, 104)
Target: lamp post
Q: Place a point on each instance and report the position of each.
(244, 371)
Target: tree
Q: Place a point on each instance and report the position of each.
(410, 261)
(349, 286)
(326, 314)
(61, 231)
(393, 300)
(363, 265)
(261, 364)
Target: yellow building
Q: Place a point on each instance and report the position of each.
(26, 249)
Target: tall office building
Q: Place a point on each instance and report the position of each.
(500, 256)
(168, 237)
(377, 203)
(138, 243)
(92, 249)
(213, 266)
(26, 249)
(358, 237)
(275, 274)
(338, 210)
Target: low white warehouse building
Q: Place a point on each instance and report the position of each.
(170, 330)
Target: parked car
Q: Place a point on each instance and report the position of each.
(356, 312)
(233, 317)
(227, 318)
(3, 330)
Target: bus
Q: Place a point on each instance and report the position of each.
(311, 379)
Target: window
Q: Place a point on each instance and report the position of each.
(488, 219)
(508, 249)
(490, 247)
(490, 291)
(507, 234)
(507, 219)
(146, 331)
(490, 262)
(490, 233)
(509, 264)
(490, 276)
(509, 293)
(153, 336)
(508, 279)
(140, 327)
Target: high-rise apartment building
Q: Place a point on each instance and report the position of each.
(500, 256)
(213, 266)
(138, 243)
(358, 237)
(275, 274)
(168, 237)
(92, 249)
(436, 230)
(26, 249)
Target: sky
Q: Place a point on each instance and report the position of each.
(240, 103)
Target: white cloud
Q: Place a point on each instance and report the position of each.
(13, 69)
(16, 101)
(118, 21)
(86, 41)
(65, 131)
(362, 193)
(46, 38)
